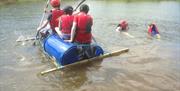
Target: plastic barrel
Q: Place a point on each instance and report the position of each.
(64, 52)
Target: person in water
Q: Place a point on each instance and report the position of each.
(65, 23)
(52, 19)
(153, 31)
(122, 26)
(81, 32)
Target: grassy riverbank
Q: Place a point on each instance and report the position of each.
(5, 2)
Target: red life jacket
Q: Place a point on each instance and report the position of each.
(66, 23)
(84, 24)
(153, 30)
(56, 13)
(149, 29)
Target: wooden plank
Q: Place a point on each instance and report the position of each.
(25, 39)
(116, 53)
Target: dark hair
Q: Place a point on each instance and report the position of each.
(68, 10)
(84, 8)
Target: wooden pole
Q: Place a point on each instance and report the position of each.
(46, 6)
(79, 5)
(26, 39)
(41, 22)
(116, 53)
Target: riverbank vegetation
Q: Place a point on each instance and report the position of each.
(5, 2)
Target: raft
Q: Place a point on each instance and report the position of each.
(64, 53)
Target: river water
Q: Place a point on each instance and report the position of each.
(150, 65)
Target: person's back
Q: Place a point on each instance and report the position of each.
(65, 23)
(81, 33)
(84, 24)
(53, 18)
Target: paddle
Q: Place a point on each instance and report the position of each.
(116, 53)
(94, 39)
(46, 6)
(35, 38)
(79, 4)
(25, 39)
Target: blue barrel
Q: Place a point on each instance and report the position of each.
(64, 52)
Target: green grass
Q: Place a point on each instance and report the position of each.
(5, 2)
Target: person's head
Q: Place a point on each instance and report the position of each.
(68, 10)
(84, 8)
(124, 24)
(152, 24)
(55, 3)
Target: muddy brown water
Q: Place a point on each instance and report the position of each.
(150, 65)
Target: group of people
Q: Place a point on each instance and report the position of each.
(71, 27)
(152, 29)
(76, 27)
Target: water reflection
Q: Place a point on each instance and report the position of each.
(73, 77)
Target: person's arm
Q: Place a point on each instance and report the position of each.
(57, 29)
(118, 28)
(73, 32)
(58, 32)
(45, 22)
(75, 13)
(43, 26)
(59, 25)
(157, 35)
(93, 38)
(157, 29)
